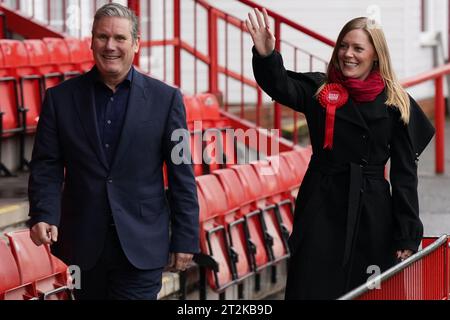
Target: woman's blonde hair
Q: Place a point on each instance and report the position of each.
(396, 95)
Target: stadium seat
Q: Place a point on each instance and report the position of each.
(40, 60)
(36, 265)
(298, 163)
(10, 284)
(211, 147)
(220, 148)
(30, 87)
(193, 119)
(286, 181)
(80, 54)
(2, 25)
(257, 237)
(10, 123)
(213, 238)
(3, 71)
(270, 206)
(235, 222)
(210, 109)
(60, 56)
(193, 111)
(304, 152)
(17, 63)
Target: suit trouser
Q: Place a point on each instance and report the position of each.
(115, 278)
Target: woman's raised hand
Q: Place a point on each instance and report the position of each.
(259, 29)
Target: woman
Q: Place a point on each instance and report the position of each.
(348, 221)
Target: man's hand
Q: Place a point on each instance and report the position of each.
(43, 233)
(179, 261)
(259, 29)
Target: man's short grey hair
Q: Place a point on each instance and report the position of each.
(118, 10)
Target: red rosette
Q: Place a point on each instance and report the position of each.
(331, 97)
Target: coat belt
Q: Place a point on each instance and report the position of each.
(357, 173)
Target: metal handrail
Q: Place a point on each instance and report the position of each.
(394, 270)
(429, 75)
(437, 75)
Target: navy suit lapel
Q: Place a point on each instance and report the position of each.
(84, 102)
(137, 100)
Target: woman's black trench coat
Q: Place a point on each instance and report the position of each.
(347, 215)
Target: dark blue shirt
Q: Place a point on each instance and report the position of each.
(111, 109)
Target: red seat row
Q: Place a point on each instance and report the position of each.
(211, 140)
(246, 216)
(2, 25)
(27, 68)
(29, 272)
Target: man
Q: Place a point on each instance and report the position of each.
(96, 187)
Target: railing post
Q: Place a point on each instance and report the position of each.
(177, 38)
(277, 111)
(439, 119)
(212, 51)
(135, 6)
(448, 267)
(64, 15)
(259, 104)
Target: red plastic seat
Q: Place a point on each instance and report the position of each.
(213, 238)
(193, 119)
(10, 284)
(274, 226)
(80, 54)
(196, 148)
(220, 149)
(9, 107)
(286, 181)
(36, 265)
(237, 230)
(252, 213)
(193, 111)
(2, 25)
(30, 85)
(40, 60)
(304, 152)
(10, 123)
(298, 162)
(212, 146)
(87, 44)
(14, 53)
(211, 111)
(60, 56)
(3, 71)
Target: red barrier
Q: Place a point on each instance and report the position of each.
(424, 276)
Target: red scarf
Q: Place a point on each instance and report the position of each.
(360, 90)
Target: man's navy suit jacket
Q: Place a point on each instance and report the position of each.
(72, 185)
